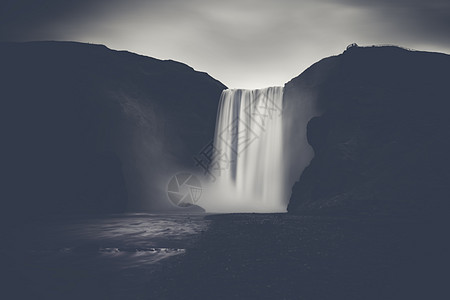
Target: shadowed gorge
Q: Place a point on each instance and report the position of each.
(88, 129)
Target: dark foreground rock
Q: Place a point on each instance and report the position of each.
(243, 256)
(382, 141)
(292, 257)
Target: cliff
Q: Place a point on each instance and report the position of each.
(91, 130)
(381, 142)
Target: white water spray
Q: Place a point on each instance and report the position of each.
(248, 163)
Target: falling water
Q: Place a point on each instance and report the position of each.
(248, 165)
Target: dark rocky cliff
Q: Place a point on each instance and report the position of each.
(382, 141)
(89, 129)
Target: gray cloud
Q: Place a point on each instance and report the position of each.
(21, 19)
(243, 43)
(428, 20)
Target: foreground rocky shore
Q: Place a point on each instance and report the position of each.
(235, 256)
(278, 256)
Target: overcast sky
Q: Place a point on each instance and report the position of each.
(242, 43)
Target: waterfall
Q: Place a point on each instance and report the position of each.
(248, 166)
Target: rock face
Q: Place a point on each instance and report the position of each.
(89, 129)
(382, 141)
